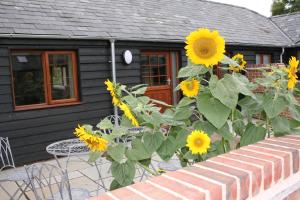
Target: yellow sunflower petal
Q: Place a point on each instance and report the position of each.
(292, 73)
(94, 142)
(127, 112)
(112, 89)
(205, 47)
(190, 88)
(198, 142)
(239, 58)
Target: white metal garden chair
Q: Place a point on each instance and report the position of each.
(50, 182)
(18, 176)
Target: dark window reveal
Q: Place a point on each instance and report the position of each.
(43, 79)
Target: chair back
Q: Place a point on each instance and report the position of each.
(7, 160)
(49, 182)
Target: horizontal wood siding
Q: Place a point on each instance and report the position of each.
(32, 130)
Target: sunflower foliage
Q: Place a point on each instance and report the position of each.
(214, 116)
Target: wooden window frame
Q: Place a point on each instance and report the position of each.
(49, 102)
(168, 61)
(261, 59)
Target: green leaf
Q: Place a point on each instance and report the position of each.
(123, 172)
(183, 113)
(141, 90)
(215, 112)
(280, 125)
(253, 134)
(116, 152)
(239, 126)
(153, 141)
(105, 124)
(167, 149)
(145, 162)
(138, 151)
(228, 61)
(114, 185)
(251, 106)
(242, 85)
(273, 106)
(181, 138)
(294, 110)
(192, 70)
(93, 156)
(185, 101)
(205, 126)
(226, 91)
(225, 132)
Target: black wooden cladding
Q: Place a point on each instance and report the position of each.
(31, 130)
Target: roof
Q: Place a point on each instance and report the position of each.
(290, 24)
(142, 20)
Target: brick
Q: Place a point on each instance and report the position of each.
(277, 163)
(104, 196)
(255, 172)
(153, 192)
(294, 152)
(231, 184)
(287, 168)
(243, 185)
(215, 190)
(267, 167)
(282, 143)
(184, 190)
(126, 194)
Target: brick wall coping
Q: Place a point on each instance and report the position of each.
(240, 174)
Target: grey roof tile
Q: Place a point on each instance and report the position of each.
(290, 24)
(157, 20)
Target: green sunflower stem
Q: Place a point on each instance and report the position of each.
(152, 172)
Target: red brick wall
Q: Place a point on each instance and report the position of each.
(239, 174)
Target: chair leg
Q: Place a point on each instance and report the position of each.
(8, 194)
(23, 191)
(100, 178)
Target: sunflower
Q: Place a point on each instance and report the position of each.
(190, 88)
(205, 47)
(127, 112)
(94, 142)
(292, 72)
(112, 89)
(198, 142)
(239, 59)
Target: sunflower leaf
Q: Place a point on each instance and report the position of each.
(225, 91)
(214, 111)
(273, 106)
(253, 134)
(192, 70)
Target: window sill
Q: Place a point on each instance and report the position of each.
(45, 106)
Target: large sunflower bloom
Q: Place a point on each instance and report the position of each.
(94, 142)
(205, 47)
(190, 88)
(239, 58)
(127, 112)
(292, 72)
(198, 142)
(112, 89)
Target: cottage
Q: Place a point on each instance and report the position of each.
(55, 56)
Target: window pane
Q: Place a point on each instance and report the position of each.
(258, 59)
(266, 59)
(28, 78)
(62, 83)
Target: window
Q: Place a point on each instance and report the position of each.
(43, 79)
(263, 59)
(155, 69)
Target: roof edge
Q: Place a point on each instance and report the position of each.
(286, 14)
